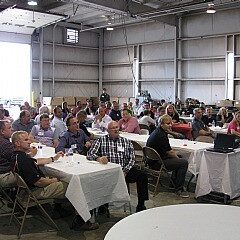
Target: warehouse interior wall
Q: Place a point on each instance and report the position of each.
(202, 46)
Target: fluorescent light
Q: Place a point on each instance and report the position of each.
(110, 28)
(211, 8)
(32, 3)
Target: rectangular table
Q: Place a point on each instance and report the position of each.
(90, 184)
(219, 172)
(191, 150)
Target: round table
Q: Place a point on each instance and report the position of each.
(181, 222)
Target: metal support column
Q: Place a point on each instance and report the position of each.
(135, 71)
(53, 59)
(179, 63)
(41, 67)
(100, 62)
(175, 79)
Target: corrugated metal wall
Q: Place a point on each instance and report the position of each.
(203, 43)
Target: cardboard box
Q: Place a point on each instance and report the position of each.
(70, 100)
(57, 101)
(224, 103)
(237, 104)
(82, 99)
(113, 99)
(123, 100)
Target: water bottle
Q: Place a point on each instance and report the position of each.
(40, 152)
(213, 123)
(70, 155)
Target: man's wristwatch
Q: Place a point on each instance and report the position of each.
(52, 159)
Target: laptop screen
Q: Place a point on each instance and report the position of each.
(224, 141)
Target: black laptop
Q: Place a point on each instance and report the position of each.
(223, 143)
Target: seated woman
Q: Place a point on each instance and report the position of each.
(172, 112)
(223, 117)
(234, 125)
(65, 110)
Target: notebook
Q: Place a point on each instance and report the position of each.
(223, 143)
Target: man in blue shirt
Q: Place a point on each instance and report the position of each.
(74, 138)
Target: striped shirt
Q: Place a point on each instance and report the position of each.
(119, 150)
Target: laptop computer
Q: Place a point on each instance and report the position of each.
(223, 143)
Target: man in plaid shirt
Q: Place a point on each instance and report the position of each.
(116, 149)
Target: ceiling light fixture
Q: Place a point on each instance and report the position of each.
(32, 3)
(110, 28)
(211, 8)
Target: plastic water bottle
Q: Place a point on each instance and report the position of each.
(213, 123)
(70, 156)
(40, 151)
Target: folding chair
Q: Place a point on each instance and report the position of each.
(138, 150)
(6, 199)
(31, 201)
(144, 132)
(152, 154)
(144, 126)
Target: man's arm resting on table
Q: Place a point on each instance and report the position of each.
(43, 161)
(43, 182)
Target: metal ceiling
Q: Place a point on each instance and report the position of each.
(90, 14)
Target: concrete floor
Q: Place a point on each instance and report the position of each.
(37, 230)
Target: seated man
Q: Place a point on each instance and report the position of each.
(201, 132)
(74, 138)
(7, 178)
(57, 121)
(41, 186)
(115, 113)
(128, 123)
(146, 106)
(208, 118)
(116, 149)
(24, 123)
(81, 117)
(3, 117)
(101, 120)
(45, 134)
(159, 141)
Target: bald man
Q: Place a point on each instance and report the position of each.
(116, 149)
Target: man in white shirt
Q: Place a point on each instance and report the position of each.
(146, 119)
(101, 120)
(57, 121)
(136, 107)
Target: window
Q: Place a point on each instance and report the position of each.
(72, 35)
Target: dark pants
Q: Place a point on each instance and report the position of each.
(179, 167)
(140, 178)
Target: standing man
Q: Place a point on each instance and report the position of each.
(159, 141)
(104, 97)
(116, 149)
(136, 107)
(24, 123)
(74, 138)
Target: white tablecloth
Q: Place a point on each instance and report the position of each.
(187, 119)
(191, 150)
(219, 172)
(181, 222)
(90, 184)
(218, 129)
